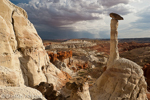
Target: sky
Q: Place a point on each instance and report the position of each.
(68, 19)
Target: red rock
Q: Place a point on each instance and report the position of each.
(104, 47)
(82, 66)
(146, 70)
(60, 55)
(104, 69)
(46, 44)
(67, 75)
(85, 66)
(148, 96)
(74, 69)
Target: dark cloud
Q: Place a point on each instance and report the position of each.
(50, 16)
(110, 3)
(56, 15)
(64, 34)
(18, 1)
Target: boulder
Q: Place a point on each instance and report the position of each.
(20, 93)
(77, 89)
(48, 91)
(118, 83)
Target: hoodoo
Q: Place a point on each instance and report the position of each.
(123, 79)
(114, 54)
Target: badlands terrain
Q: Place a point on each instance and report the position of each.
(77, 69)
(90, 57)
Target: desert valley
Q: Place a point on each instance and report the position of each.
(71, 69)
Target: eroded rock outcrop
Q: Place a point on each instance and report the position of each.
(123, 79)
(23, 59)
(20, 93)
(77, 88)
(22, 49)
(48, 91)
(59, 55)
(132, 45)
(117, 83)
(61, 60)
(71, 44)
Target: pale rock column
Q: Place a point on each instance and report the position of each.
(123, 79)
(114, 55)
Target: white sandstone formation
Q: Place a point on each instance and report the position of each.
(22, 49)
(55, 76)
(23, 59)
(123, 79)
(8, 77)
(20, 93)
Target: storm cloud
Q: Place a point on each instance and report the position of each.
(72, 18)
(18, 1)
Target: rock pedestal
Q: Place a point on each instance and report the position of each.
(123, 79)
(121, 82)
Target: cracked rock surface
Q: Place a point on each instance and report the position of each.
(22, 49)
(23, 59)
(125, 81)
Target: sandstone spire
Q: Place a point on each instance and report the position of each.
(123, 79)
(114, 54)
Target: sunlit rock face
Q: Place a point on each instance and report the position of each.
(23, 59)
(22, 49)
(124, 81)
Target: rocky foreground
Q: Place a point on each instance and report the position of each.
(71, 70)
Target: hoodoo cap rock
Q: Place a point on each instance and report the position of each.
(116, 16)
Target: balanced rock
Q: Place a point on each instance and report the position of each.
(123, 79)
(116, 16)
